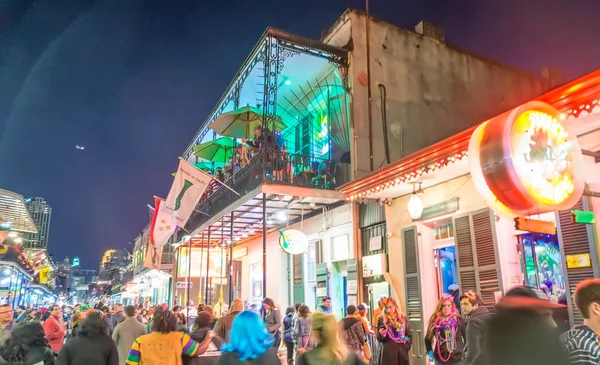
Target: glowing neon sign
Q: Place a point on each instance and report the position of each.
(524, 162)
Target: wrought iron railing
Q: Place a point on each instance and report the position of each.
(276, 167)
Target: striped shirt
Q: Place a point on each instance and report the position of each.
(162, 348)
(582, 345)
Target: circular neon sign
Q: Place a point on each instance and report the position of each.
(524, 162)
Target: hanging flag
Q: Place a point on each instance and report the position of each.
(162, 225)
(153, 257)
(188, 186)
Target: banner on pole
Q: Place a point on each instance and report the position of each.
(153, 257)
(188, 186)
(162, 225)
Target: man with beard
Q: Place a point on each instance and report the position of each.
(476, 316)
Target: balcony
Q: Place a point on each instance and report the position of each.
(294, 184)
(296, 90)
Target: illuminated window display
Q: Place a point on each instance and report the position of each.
(542, 263)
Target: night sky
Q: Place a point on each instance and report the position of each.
(132, 81)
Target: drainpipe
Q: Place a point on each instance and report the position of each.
(386, 145)
(369, 85)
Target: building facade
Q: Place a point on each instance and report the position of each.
(151, 282)
(337, 110)
(423, 90)
(41, 212)
(444, 229)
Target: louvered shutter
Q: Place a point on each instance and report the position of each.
(414, 308)
(576, 239)
(298, 274)
(476, 254)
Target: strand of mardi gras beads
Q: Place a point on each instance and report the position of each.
(450, 336)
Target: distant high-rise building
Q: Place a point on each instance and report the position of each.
(41, 213)
(113, 264)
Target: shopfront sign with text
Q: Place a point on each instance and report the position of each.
(525, 162)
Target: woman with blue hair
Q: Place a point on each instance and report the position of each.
(250, 342)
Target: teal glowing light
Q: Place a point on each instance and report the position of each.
(288, 82)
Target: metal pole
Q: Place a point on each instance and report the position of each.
(264, 239)
(222, 264)
(189, 277)
(200, 276)
(207, 265)
(11, 293)
(370, 120)
(231, 263)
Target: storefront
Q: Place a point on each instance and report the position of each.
(322, 269)
(192, 273)
(149, 287)
(39, 296)
(328, 267)
(14, 282)
(509, 203)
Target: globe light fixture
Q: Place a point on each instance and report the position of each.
(415, 205)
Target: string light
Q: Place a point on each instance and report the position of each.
(410, 175)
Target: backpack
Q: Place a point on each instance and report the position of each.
(288, 329)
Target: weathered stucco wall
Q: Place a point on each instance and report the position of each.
(433, 91)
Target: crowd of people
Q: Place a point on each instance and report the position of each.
(280, 166)
(520, 330)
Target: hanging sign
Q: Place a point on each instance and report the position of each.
(293, 242)
(375, 243)
(579, 261)
(183, 284)
(534, 225)
(374, 265)
(525, 162)
(352, 288)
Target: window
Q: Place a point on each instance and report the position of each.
(313, 258)
(443, 231)
(340, 248)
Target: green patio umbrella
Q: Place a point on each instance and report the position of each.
(240, 123)
(205, 166)
(218, 150)
(208, 165)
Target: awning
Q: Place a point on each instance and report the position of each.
(283, 204)
(577, 100)
(14, 212)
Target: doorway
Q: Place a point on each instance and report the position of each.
(445, 264)
(376, 291)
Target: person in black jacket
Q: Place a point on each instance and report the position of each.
(445, 338)
(523, 332)
(27, 346)
(92, 346)
(200, 330)
(288, 330)
(477, 316)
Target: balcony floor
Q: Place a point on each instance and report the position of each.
(244, 216)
